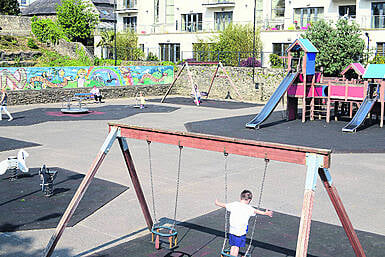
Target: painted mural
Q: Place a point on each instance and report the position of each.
(14, 78)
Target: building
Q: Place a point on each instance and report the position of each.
(105, 9)
(169, 28)
(25, 3)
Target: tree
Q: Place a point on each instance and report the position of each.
(77, 19)
(338, 45)
(46, 30)
(127, 46)
(233, 43)
(9, 7)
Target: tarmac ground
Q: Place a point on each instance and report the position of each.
(109, 221)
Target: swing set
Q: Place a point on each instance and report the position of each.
(316, 160)
(194, 86)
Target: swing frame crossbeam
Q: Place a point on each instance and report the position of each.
(316, 160)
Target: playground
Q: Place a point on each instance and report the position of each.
(110, 222)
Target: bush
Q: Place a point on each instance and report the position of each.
(275, 61)
(46, 30)
(152, 57)
(249, 62)
(31, 44)
(167, 63)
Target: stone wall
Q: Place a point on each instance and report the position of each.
(71, 49)
(242, 78)
(268, 80)
(58, 95)
(15, 25)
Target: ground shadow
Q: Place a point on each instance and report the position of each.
(31, 209)
(276, 236)
(97, 112)
(220, 104)
(7, 144)
(315, 133)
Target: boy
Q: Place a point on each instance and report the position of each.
(3, 104)
(240, 213)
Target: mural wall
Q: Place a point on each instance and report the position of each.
(14, 78)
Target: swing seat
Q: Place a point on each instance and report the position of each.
(172, 236)
(204, 94)
(155, 230)
(226, 253)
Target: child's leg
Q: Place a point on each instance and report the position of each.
(7, 112)
(1, 112)
(234, 250)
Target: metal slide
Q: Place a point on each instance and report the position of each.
(273, 101)
(361, 114)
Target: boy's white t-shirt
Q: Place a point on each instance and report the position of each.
(240, 214)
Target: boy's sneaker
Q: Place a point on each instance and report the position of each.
(10, 119)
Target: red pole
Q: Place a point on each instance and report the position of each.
(135, 181)
(341, 212)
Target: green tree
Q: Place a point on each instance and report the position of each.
(9, 7)
(338, 44)
(46, 30)
(77, 19)
(127, 46)
(234, 42)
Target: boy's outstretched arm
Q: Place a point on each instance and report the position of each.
(267, 212)
(223, 205)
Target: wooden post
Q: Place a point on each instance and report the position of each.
(230, 80)
(172, 84)
(328, 102)
(80, 192)
(312, 103)
(382, 99)
(135, 181)
(341, 212)
(212, 80)
(313, 162)
(304, 87)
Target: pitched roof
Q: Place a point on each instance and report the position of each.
(48, 7)
(304, 44)
(41, 7)
(375, 71)
(357, 67)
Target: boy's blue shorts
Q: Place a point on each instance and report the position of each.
(239, 241)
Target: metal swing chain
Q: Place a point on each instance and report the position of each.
(259, 204)
(177, 183)
(226, 189)
(151, 181)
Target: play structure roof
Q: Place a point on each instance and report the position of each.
(304, 44)
(357, 67)
(375, 71)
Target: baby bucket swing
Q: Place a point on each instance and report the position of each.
(225, 252)
(158, 230)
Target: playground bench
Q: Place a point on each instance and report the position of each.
(84, 96)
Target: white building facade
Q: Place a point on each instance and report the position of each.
(169, 28)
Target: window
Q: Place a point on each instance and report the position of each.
(222, 19)
(192, 22)
(169, 52)
(347, 11)
(378, 20)
(380, 48)
(169, 11)
(280, 48)
(129, 23)
(304, 16)
(130, 4)
(278, 9)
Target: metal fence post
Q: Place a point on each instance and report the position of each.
(239, 58)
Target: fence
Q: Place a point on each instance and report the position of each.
(173, 54)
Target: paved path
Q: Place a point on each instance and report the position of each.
(73, 144)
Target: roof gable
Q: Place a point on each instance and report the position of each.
(302, 44)
(375, 71)
(357, 67)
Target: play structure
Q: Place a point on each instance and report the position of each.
(74, 105)
(319, 97)
(317, 162)
(14, 164)
(195, 92)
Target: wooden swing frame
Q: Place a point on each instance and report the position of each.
(186, 65)
(316, 160)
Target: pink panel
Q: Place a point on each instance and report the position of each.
(337, 91)
(357, 92)
(295, 90)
